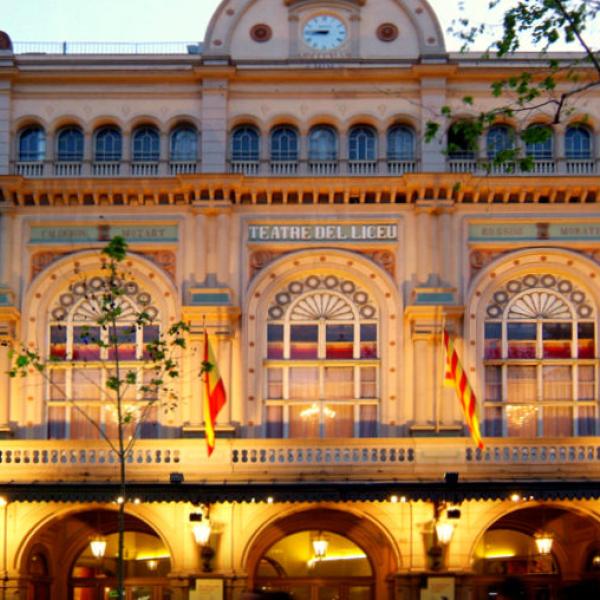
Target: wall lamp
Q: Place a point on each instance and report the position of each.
(202, 530)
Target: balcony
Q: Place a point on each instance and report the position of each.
(408, 459)
(584, 167)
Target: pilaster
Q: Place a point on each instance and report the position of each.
(214, 125)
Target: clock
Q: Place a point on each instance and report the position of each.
(324, 32)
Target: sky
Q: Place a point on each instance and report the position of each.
(149, 20)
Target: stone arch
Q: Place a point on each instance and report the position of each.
(528, 516)
(73, 526)
(366, 273)
(569, 264)
(377, 544)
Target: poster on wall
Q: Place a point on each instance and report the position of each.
(439, 588)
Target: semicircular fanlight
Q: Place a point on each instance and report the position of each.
(322, 305)
(539, 305)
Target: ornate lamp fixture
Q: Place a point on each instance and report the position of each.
(98, 546)
(320, 545)
(444, 531)
(202, 530)
(543, 542)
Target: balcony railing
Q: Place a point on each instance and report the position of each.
(378, 459)
(539, 167)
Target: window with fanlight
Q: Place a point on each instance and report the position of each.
(541, 372)
(322, 363)
(82, 359)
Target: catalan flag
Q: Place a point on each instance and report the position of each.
(455, 376)
(214, 393)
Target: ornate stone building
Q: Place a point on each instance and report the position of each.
(273, 184)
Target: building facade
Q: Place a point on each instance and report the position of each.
(275, 190)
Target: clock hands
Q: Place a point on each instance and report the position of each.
(318, 32)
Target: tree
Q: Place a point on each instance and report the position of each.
(554, 87)
(113, 324)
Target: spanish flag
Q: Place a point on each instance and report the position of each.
(454, 376)
(214, 393)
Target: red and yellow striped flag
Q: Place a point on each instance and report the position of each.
(455, 376)
(214, 393)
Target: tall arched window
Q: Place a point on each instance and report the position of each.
(500, 139)
(322, 360)
(69, 145)
(32, 144)
(460, 146)
(578, 143)
(540, 372)
(322, 143)
(184, 144)
(108, 145)
(80, 362)
(145, 144)
(245, 144)
(542, 148)
(400, 143)
(362, 143)
(284, 144)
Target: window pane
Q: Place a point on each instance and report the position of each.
(492, 424)
(58, 390)
(304, 422)
(322, 144)
(362, 144)
(338, 420)
(108, 145)
(557, 340)
(368, 340)
(586, 381)
(151, 333)
(86, 384)
(274, 421)
(58, 342)
(521, 340)
(339, 383)
(275, 341)
(82, 428)
(184, 144)
(585, 340)
(339, 341)
(304, 341)
(146, 144)
(57, 422)
(493, 384)
(586, 422)
(557, 382)
(284, 144)
(493, 340)
(368, 421)
(245, 144)
(70, 145)
(85, 343)
(125, 338)
(521, 384)
(400, 144)
(578, 143)
(304, 383)
(368, 382)
(149, 427)
(275, 383)
(521, 421)
(558, 421)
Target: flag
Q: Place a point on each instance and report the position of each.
(455, 376)
(214, 393)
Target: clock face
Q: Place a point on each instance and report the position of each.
(324, 32)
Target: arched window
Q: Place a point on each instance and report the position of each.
(542, 147)
(81, 362)
(184, 144)
(32, 144)
(400, 143)
(284, 144)
(460, 146)
(146, 144)
(500, 139)
(322, 360)
(69, 145)
(578, 143)
(322, 143)
(362, 143)
(245, 144)
(108, 145)
(540, 373)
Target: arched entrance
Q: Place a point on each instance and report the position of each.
(510, 560)
(362, 558)
(62, 549)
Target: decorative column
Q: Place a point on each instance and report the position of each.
(9, 316)
(433, 98)
(214, 125)
(5, 107)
